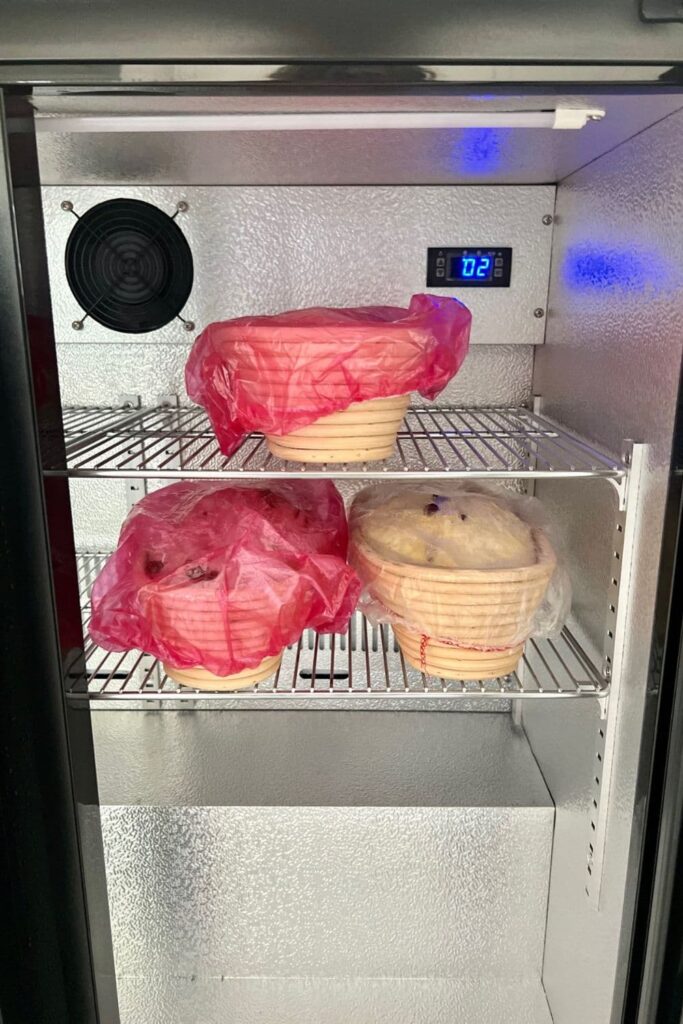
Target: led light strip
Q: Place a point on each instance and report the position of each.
(561, 118)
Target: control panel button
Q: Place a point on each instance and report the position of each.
(498, 261)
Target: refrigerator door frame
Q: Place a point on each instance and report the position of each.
(314, 76)
(57, 961)
(386, 30)
(654, 991)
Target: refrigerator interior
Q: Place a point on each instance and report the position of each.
(352, 841)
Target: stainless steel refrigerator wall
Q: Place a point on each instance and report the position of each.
(283, 248)
(611, 364)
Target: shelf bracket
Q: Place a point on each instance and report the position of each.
(135, 488)
(619, 610)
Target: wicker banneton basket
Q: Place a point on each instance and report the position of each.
(200, 679)
(487, 608)
(363, 432)
(193, 615)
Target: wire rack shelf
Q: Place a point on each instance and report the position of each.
(364, 662)
(172, 442)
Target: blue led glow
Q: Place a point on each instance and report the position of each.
(480, 151)
(595, 267)
(473, 268)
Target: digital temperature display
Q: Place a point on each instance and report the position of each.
(471, 267)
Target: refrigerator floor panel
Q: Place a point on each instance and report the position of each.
(332, 1001)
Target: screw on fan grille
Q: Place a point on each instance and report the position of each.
(129, 266)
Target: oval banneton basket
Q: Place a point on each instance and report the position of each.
(192, 615)
(364, 432)
(487, 608)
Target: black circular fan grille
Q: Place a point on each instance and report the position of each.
(129, 266)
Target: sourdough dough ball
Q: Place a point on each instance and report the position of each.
(471, 531)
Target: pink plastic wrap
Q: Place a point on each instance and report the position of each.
(222, 575)
(278, 373)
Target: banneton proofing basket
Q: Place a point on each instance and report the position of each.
(363, 431)
(193, 615)
(489, 609)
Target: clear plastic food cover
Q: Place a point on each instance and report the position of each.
(278, 373)
(221, 575)
(465, 564)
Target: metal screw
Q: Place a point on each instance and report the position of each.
(539, 313)
(77, 325)
(188, 325)
(67, 205)
(547, 218)
(182, 206)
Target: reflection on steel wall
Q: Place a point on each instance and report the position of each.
(309, 30)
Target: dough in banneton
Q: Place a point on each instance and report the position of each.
(470, 531)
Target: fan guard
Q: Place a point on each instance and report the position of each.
(129, 266)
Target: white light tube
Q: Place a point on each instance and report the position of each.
(562, 117)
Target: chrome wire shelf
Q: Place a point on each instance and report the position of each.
(365, 662)
(171, 442)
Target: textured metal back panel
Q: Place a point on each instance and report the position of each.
(259, 861)
(327, 892)
(264, 249)
(610, 367)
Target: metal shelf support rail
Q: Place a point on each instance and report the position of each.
(170, 441)
(619, 612)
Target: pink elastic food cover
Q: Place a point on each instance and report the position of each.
(277, 373)
(221, 575)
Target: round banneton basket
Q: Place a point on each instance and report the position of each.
(363, 432)
(192, 615)
(200, 679)
(489, 609)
